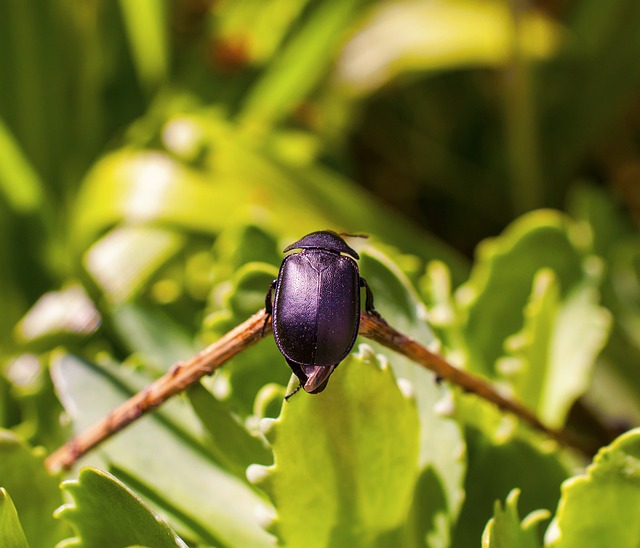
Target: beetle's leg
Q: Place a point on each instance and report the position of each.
(286, 398)
(268, 306)
(368, 304)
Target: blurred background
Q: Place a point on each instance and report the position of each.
(433, 121)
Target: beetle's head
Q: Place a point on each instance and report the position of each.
(327, 240)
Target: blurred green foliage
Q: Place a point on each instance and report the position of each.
(156, 156)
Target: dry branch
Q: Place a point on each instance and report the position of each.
(185, 374)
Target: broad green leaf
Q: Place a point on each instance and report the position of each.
(554, 354)
(495, 468)
(37, 410)
(529, 364)
(505, 530)
(399, 304)
(56, 314)
(300, 65)
(238, 245)
(600, 508)
(600, 218)
(152, 335)
(149, 186)
(104, 512)
(123, 260)
(11, 533)
(233, 444)
(19, 181)
(147, 31)
(232, 184)
(346, 461)
(442, 312)
(610, 234)
(163, 457)
(500, 283)
(33, 489)
(412, 35)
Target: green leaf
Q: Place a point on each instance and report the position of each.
(34, 490)
(438, 35)
(19, 181)
(301, 64)
(11, 533)
(123, 260)
(495, 468)
(346, 461)
(610, 234)
(505, 530)
(554, 354)
(233, 444)
(154, 336)
(399, 304)
(147, 28)
(443, 315)
(65, 313)
(105, 512)
(37, 409)
(600, 508)
(148, 186)
(500, 283)
(163, 457)
(601, 220)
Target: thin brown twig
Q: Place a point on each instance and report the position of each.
(185, 374)
(179, 378)
(375, 328)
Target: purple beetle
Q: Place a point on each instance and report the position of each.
(316, 307)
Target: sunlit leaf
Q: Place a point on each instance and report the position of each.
(105, 512)
(414, 35)
(60, 313)
(555, 352)
(147, 31)
(600, 507)
(501, 281)
(11, 533)
(234, 445)
(495, 468)
(19, 181)
(33, 489)
(399, 304)
(345, 461)
(123, 260)
(163, 458)
(505, 529)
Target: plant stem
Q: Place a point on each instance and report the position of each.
(180, 377)
(377, 329)
(184, 374)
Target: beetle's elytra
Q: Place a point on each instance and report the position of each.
(316, 307)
